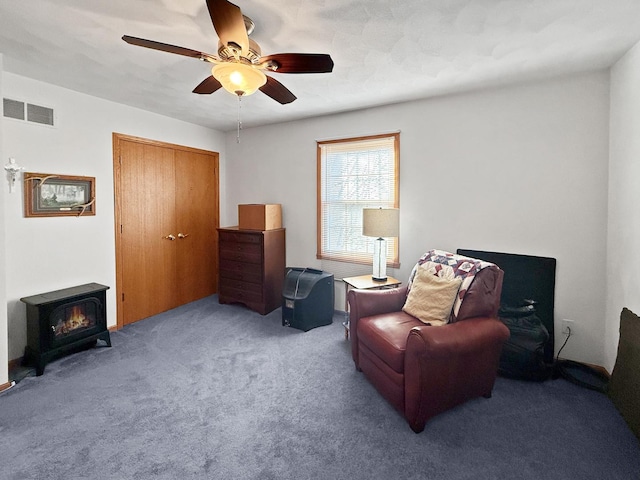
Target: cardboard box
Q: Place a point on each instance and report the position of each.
(258, 216)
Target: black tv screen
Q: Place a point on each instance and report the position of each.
(525, 277)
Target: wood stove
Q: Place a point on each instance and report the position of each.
(64, 321)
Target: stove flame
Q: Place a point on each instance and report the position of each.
(76, 318)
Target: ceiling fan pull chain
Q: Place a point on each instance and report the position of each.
(239, 120)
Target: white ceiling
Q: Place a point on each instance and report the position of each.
(385, 51)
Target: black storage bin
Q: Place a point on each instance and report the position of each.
(307, 298)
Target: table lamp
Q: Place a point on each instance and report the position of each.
(380, 223)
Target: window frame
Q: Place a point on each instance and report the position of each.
(357, 257)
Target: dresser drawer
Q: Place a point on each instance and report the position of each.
(236, 237)
(239, 295)
(249, 272)
(241, 252)
(242, 286)
(239, 275)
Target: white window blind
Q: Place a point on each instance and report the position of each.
(354, 174)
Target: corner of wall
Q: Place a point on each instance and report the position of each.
(4, 335)
(623, 235)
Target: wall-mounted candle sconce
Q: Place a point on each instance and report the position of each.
(13, 170)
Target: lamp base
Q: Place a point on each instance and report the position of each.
(379, 260)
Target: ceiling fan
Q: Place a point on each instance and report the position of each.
(239, 67)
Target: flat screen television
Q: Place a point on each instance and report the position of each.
(526, 277)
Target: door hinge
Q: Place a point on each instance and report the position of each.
(123, 297)
(121, 229)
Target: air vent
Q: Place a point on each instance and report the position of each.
(38, 114)
(34, 113)
(13, 108)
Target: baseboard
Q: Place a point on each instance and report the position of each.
(597, 368)
(6, 386)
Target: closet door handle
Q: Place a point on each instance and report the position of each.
(183, 235)
(170, 237)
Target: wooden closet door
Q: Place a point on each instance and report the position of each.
(148, 216)
(167, 215)
(196, 210)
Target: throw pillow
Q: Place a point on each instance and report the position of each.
(431, 297)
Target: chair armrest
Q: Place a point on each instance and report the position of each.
(447, 365)
(366, 303)
(460, 338)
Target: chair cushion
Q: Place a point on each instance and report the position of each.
(431, 297)
(386, 336)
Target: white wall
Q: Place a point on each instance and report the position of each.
(46, 254)
(623, 266)
(519, 170)
(4, 347)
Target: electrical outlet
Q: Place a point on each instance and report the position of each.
(568, 327)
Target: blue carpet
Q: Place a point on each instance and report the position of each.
(209, 391)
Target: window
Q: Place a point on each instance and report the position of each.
(353, 174)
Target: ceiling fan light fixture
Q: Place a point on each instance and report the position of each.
(239, 66)
(238, 78)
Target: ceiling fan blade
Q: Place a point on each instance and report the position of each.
(229, 24)
(300, 62)
(165, 47)
(277, 91)
(208, 85)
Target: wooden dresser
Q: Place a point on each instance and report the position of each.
(252, 267)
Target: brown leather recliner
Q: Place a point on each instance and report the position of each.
(423, 370)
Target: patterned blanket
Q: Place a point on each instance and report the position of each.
(450, 265)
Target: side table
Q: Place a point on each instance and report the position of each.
(364, 282)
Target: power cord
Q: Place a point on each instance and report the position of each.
(556, 366)
(579, 373)
(568, 334)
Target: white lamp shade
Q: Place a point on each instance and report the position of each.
(380, 222)
(238, 78)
